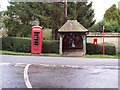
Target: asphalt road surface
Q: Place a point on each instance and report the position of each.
(58, 72)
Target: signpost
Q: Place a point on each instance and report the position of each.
(103, 41)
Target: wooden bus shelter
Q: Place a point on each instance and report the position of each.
(72, 39)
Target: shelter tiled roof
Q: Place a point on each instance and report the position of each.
(72, 26)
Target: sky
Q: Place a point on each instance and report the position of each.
(99, 6)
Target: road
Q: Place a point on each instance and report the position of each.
(58, 72)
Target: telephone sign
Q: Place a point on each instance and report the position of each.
(36, 39)
(95, 42)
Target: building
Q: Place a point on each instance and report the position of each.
(72, 39)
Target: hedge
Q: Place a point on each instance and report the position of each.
(16, 44)
(50, 46)
(24, 45)
(109, 49)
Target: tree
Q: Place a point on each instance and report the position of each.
(0, 20)
(50, 15)
(111, 26)
(111, 21)
(112, 13)
(20, 16)
(85, 14)
(17, 20)
(81, 12)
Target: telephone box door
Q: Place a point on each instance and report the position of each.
(36, 40)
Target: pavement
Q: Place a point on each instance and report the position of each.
(58, 72)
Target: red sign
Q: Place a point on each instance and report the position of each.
(95, 42)
(36, 39)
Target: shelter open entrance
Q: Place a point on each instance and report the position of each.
(72, 42)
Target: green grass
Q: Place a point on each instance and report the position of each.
(103, 56)
(53, 54)
(22, 53)
(11, 52)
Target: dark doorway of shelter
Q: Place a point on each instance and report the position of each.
(72, 42)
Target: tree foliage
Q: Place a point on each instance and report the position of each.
(82, 13)
(50, 15)
(111, 26)
(112, 13)
(17, 20)
(111, 21)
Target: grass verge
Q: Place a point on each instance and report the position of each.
(103, 56)
(53, 54)
(22, 53)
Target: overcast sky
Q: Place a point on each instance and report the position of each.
(99, 6)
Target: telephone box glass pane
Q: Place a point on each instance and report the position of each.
(36, 38)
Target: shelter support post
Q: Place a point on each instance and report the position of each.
(84, 44)
(61, 41)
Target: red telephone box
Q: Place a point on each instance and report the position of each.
(95, 42)
(36, 39)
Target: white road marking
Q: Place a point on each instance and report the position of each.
(74, 66)
(64, 66)
(68, 66)
(27, 82)
(45, 65)
(20, 65)
(96, 71)
(78, 66)
(4, 64)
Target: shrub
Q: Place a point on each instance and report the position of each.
(109, 49)
(50, 46)
(16, 44)
(47, 34)
(118, 53)
(24, 45)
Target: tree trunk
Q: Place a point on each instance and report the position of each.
(54, 34)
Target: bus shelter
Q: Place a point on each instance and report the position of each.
(72, 39)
